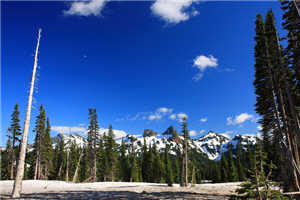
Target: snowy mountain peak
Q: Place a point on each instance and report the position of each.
(212, 144)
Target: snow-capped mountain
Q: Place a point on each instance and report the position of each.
(212, 144)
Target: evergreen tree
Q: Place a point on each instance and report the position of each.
(14, 135)
(74, 154)
(232, 172)
(6, 161)
(111, 154)
(93, 139)
(84, 174)
(124, 163)
(40, 131)
(291, 23)
(168, 171)
(134, 172)
(284, 77)
(145, 162)
(185, 153)
(260, 186)
(47, 151)
(224, 169)
(60, 158)
(240, 169)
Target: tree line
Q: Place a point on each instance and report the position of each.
(103, 159)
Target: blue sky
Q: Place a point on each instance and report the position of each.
(141, 64)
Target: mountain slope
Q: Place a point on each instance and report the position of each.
(211, 144)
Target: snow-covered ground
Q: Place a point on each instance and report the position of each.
(33, 189)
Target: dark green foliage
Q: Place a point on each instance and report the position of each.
(111, 154)
(232, 172)
(134, 172)
(124, 163)
(14, 136)
(224, 168)
(168, 170)
(47, 150)
(259, 185)
(93, 140)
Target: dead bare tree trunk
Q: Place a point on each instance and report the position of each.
(77, 168)
(20, 169)
(297, 8)
(59, 170)
(12, 169)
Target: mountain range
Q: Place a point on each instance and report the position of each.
(211, 144)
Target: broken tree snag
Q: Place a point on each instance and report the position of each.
(20, 168)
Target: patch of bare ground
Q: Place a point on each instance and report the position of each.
(117, 190)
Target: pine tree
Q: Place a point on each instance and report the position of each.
(158, 166)
(14, 136)
(47, 151)
(93, 139)
(102, 160)
(185, 166)
(40, 130)
(260, 186)
(134, 172)
(240, 169)
(60, 158)
(284, 83)
(124, 163)
(111, 154)
(145, 164)
(84, 173)
(169, 173)
(217, 173)
(224, 168)
(291, 23)
(232, 172)
(6, 161)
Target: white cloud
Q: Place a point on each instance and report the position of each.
(259, 127)
(197, 77)
(193, 133)
(203, 119)
(173, 116)
(202, 62)
(195, 13)
(178, 116)
(153, 117)
(164, 110)
(201, 131)
(239, 119)
(182, 115)
(68, 129)
(173, 11)
(93, 7)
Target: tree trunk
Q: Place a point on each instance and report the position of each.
(77, 168)
(67, 170)
(36, 169)
(297, 8)
(95, 170)
(186, 169)
(20, 169)
(60, 169)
